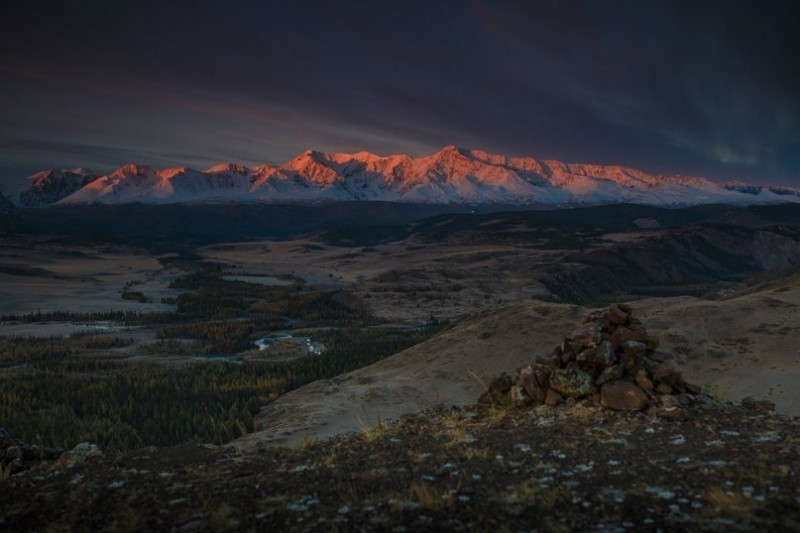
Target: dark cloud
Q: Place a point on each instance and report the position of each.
(699, 87)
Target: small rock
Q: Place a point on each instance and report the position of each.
(661, 356)
(635, 350)
(668, 373)
(587, 335)
(552, 360)
(598, 358)
(569, 350)
(644, 381)
(663, 388)
(497, 390)
(624, 334)
(758, 406)
(652, 342)
(668, 402)
(623, 396)
(535, 379)
(552, 398)
(518, 397)
(80, 454)
(586, 357)
(692, 389)
(604, 355)
(616, 315)
(611, 373)
(684, 399)
(596, 317)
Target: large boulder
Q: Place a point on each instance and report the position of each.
(623, 396)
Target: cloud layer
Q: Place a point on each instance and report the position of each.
(706, 88)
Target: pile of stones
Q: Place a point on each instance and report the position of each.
(610, 357)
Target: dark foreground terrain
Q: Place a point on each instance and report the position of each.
(574, 467)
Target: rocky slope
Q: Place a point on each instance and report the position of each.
(50, 186)
(452, 175)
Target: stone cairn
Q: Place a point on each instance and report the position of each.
(611, 357)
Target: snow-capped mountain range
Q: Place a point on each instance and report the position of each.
(452, 175)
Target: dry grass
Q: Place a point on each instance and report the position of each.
(730, 504)
(425, 495)
(379, 431)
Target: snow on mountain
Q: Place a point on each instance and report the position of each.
(452, 175)
(761, 190)
(140, 183)
(50, 186)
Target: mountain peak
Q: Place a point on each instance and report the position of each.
(228, 168)
(452, 149)
(135, 169)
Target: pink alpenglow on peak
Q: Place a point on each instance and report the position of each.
(453, 175)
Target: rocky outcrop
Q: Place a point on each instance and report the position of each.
(16, 457)
(610, 358)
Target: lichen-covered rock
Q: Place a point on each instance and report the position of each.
(79, 454)
(573, 382)
(623, 396)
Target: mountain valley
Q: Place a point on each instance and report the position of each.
(111, 312)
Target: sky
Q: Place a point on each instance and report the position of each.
(708, 88)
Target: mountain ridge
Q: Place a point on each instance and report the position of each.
(453, 175)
